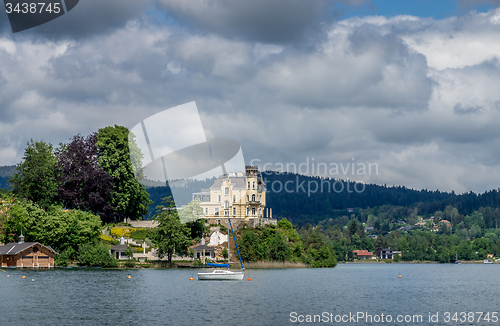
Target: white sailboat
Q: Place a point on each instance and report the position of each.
(223, 274)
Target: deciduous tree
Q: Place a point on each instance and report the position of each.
(37, 174)
(130, 198)
(171, 235)
(83, 183)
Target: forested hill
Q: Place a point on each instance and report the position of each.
(304, 199)
(301, 206)
(5, 173)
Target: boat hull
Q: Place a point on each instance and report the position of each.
(228, 276)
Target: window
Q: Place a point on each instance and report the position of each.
(234, 211)
(226, 213)
(218, 221)
(253, 211)
(248, 198)
(253, 197)
(216, 213)
(226, 204)
(234, 198)
(248, 210)
(248, 187)
(206, 211)
(226, 191)
(218, 198)
(253, 185)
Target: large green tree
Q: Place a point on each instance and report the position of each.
(37, 174)
(171, 235)
(55, 227)
(130, 198)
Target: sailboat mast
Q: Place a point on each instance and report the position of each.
(236, 244)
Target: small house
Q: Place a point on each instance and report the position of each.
(363, 254)
(385, 253)
(203, 251)
(119, 251)
(27, 255)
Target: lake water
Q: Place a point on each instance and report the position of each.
(167, 297)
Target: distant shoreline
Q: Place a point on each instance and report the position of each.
(370, 261)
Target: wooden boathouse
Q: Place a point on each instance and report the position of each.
(26, 255)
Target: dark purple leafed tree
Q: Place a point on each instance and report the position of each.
(83, 184)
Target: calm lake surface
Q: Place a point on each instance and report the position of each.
(167, 297)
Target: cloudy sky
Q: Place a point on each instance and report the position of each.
(411, 86)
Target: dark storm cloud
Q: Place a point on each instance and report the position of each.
(266, 21)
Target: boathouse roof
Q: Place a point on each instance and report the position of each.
(14, 248)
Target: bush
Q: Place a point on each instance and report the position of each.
(64, 257)
(95, 255)
(141, 234)
(130, 263)
(197, 262)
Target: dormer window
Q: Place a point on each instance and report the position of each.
(226, 191)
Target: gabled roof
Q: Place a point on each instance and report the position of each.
(203, 247)
(237, 181)
(120, 247)
(363, 252)
(14, 248)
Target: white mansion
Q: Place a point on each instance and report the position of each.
(238, 196)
